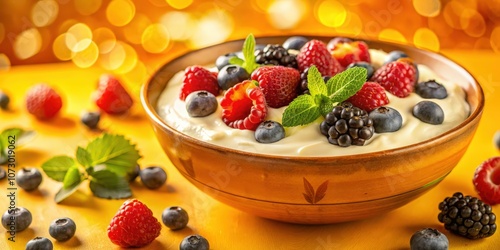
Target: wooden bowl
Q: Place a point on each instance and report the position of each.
(315, 190)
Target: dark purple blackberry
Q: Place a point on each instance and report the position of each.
(347, 125)
(467, 216)
(303, 87)
(274, 54)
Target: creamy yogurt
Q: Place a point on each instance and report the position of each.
(307, 140)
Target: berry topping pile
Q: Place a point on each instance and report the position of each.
(275, 54)
(398, 77)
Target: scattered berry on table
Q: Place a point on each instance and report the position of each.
(496, 139)
(394, 56)
(132, 175)
(111, 97)
(43, 102)
(369, 68)
(487, 180)
(314, 52)
(351, 52)
(347, 125)
(3, 173)
(175, 217)
(431, 89)
(386, 119)
(198, 78)
(153, 177)
(201, 103)
(295, 42)
(16, 219)
(428, 112)
(39, 243)
(398, 77)
(133, 225)
(337, 40)
(91, 119)
(194, 242)
(230, 75)
(429, 238)
(4, 100)
(223, 60)
(244, 106)
(278, 83)
(274, 54)
(369, 97)
(62, 229)
(269, 132)
(467, 216)
(28, 178)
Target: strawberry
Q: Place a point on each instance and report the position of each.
(398, 77)
(278, 83)
(198, 78)
(43, 102)
(369, 97)
(111, 97)
(133, 225)
(244, 106)
(350, 52)
(487, 181)
(315, 52)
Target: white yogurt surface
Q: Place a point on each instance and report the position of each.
(307, 140)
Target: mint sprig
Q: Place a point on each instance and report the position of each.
(323, 96)
(105, 162)
(248, 61)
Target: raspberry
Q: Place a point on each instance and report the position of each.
(198, 78)
(43, 102)
(133, 225)
(351, 52)
(369, 97)
(244, 106)
(278, 83)
(111, 97)
(487, 180)
(398, 77)
(315, 53)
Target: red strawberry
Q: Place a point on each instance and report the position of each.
(198, 78)
(111, 97)
(398, 77)
(349, 52)
(133, 225)
(315, 52)
(278, 83)
(369, 97)
(43, 102)
(244, 106)
(487, 181)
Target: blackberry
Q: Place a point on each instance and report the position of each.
(303, 86)
(274, 54)
(347, 125)
(467, 216)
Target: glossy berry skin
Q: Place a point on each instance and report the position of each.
(62, 229)
(369, 97)
(132, 175)
(429, 238)
(39, 243)
(153, 177)
(269, 132)
(397, 77)
(486, 180)
(428, 112)
(369, 68)
(394, 56)
(198, 78)
(28, 178)
(133, 225)
(386, 119)
(43, 102)
(4, 100)
(223, 60)
(22, 219)
(244, 106)
(175, 217)
(278, 83)
(90, 119)
(230, 75)
(111, 97)
(337, 40)
(314, 52)
(194, 242)
(201, 103)
(351, 52)
(295, 42)
(431, 90)
(496, 139)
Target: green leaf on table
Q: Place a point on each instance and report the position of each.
(107, 184)
(16, 136)
(345, 84)
(83, 157)
(72, 176)
(65, 192)
(302, 110)
(57, 167)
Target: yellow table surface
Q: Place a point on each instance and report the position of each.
(223, 226)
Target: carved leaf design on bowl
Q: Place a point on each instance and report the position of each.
(314, 196)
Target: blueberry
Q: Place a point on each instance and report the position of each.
(295, 42)
(386, 119)
(194, 242)
(394, 56)
(431, 89)
(28, 178)
(365, 65)
(16, 219)
(333, 42)
(39, 243)
(2, 173)
(153, 177)
(131, 176)
(429, 112)
(230, 75)
(269, 132)
(428, 238)
(175, 217)
(496, 140)
(62, 229)
(223, 60)
(90, 119)
(201, 103)
(4, 100)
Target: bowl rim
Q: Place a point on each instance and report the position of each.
(154, 117)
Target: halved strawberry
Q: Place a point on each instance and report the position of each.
(487, 181)
(350, 52)
(278, 83)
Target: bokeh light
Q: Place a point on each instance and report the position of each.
(105, 39)
(213, 20)
(179, 4)
(427, 8)
(331, 13)
(452, 14)
(495, 39)
(155, 38)
(133, 31)
(129, 61)
(4, 62)
(286, 14)
(44, 12)
(27, 44)
(113, 59)
(61, 51)
(426, 39)
(472, 23)
(2, 32)
(179, 24)
(391, 35)
(78, 37)
(86, 57)
(120, 12)
(353, 26)
(87, 7)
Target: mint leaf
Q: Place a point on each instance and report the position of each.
(326, 105)
(83, 157)
(107, 184)
(57, 167)
(18, 136)
(64, 193)
(72, 176)
(302, 110)
(345, 84)
(236, 61)
(249, 54)
(315, 82)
